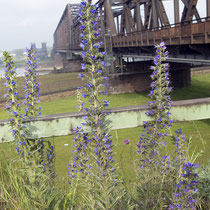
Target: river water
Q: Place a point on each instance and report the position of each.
(20, 72)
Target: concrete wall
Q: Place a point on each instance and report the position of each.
(124, 117)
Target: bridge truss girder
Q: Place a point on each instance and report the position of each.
(189, 10)
(126, 16)
(122, 17)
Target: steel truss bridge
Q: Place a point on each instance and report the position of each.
(131, 28)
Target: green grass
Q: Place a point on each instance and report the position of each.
(64, 105)
(125, 154)
(200, 88)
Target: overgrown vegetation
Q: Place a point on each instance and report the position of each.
(63, 104)
(158, 179)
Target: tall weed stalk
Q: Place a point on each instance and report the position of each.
(93, 162)
(24, 184)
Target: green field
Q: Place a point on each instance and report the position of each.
(199, 131)
(200, 88)
(125, 154)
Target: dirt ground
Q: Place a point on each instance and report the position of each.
(51, 85)
(54, 96)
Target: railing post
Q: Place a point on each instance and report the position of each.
(206, 34)
(142, 39)
(191, 34)
(121, 64)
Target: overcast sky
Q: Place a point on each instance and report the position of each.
(26, 21)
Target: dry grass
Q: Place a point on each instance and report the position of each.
(50, 83)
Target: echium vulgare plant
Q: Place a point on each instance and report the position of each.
(33, 189)
(33, 151)
(13, 107)
(31, 86)
(180, 151)
(97, 139)
(45, 149)
(153, 136)
(186, 190)
(153, 166)
(93, 160)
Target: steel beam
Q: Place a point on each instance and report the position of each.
(162, 13)
(127, 24)
(70, 22)
(172, 59)
(189, 10)
(148, 7)
(208, 8)
(110, 17)
(130, 19)
(176, 11)
(154, 15)
(122, 27)
(138, 16)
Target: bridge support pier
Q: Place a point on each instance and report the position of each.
(67, 63)
(180, 75)
(137, 78)
(72, 65)
(58, 59)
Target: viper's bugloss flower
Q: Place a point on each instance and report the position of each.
(96, 144)
(13, 105)
(185, 195)
(103, 63)
(180, 144)
(31, 85)
(159, 110)
(44, 148)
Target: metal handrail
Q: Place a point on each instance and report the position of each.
(168, 26)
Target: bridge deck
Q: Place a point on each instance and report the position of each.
(179, 34)
(193, 33)
(126, 29)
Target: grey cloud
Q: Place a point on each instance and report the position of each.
(26, 21)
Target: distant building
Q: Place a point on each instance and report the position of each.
(13, 55)
(41, 52)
